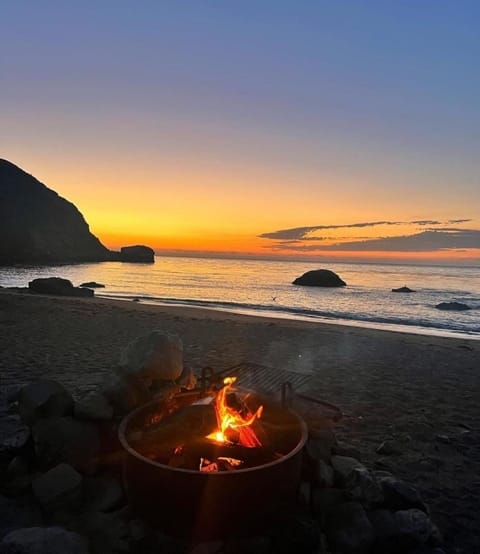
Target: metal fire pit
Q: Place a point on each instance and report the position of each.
(199, 505)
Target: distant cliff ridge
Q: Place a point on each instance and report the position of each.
(39, 226)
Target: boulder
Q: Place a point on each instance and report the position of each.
(403, 289)
(137, 254)
(325, 500)
(64, 439)
(43, 540)
(361, 485)
(43, 399)
(58, 488)
(101, 494)
(400, 495)
(343, 466)
(93, 406)
(349, 530)
(124, 394)
(57, 287)
(320, 444)
(320, 278)
(325, 476)
(92, 285)
(18, 512)
(18, 476)
(453, 306)
(415, 527)
(155, 356)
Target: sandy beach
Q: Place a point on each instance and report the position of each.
(421, 391)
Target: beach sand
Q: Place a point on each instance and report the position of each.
(421, 391)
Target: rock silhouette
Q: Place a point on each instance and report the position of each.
(320, 278)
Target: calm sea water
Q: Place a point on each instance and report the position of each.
(264, 288)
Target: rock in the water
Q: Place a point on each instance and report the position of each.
(58, 488)
(137, 254)
(92, 285)
(156, 356)
(415, 527)
(64, 439)
(343, 466)
(17, 513)
(362, 485)
(101, 494)
(57, 287)
(320, 278)
(349, 530)
(93, 406)
(453, 306)
(400, 495)
(43, 399)
(43, 540)
(403, 289)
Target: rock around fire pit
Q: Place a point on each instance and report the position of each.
(58, 497)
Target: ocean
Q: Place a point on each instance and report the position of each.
(263, 288)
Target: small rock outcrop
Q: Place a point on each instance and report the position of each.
(57, 287)
(92, 285)
(453, 306)
(137, 254)
(320, 278)
(403, 289)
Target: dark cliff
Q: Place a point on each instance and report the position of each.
(39, 226)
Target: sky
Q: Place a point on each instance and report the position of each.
(319, 129)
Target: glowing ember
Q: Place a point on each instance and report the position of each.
(231, 421)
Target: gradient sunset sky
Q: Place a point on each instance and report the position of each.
(339, 129)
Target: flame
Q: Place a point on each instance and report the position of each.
(230, 419)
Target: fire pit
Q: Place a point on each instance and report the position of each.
(212, 463)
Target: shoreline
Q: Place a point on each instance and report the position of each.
(419, 391)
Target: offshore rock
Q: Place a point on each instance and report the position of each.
(57, 287)
(403, 289)
(92, 285)
(320, 278)
(137, 254)
(43, 399)
(453, 306)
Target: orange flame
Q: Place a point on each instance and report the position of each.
(230, 419)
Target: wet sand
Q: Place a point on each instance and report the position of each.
(421, 391)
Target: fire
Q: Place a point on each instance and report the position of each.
(232, 422)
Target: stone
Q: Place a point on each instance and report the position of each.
(124, 394)
(400, 495)
(92, 285)
(325, 500)
(57, 286)
(187, 379)
(344, 449)
(64, 439)
(320, 444)
(325, 475)
(18, 512)
(452, 306)
(17, 442)
(386, 529)
(415, 527)
(361, 485)
(320, 278)
(349, 530)
(43, 540)
(93, 406)
(137, 254)
(58, 488)
(295, 533)
(101, 494)
(43, 399)
(388, 448)
(343, 466)
(403, 289)
(155, 356)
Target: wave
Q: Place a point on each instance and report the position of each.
(343, 318)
